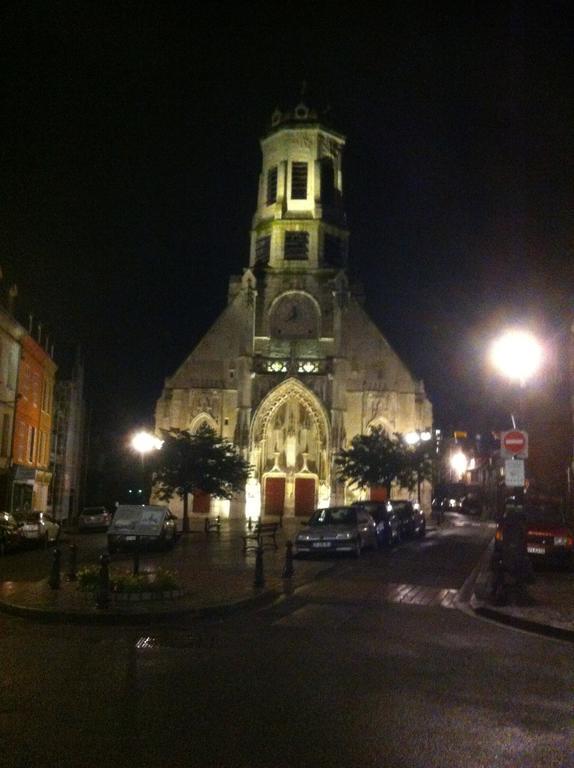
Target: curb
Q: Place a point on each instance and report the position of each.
(535, 627)
(107, 617)
(468, 603)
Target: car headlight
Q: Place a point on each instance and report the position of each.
(303, 537)
(560, 541)
(344, 536)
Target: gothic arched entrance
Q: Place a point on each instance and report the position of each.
(290, 441)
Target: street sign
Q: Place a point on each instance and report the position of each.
(514, 442)
(514, 473)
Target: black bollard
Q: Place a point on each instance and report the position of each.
(54, 580)
(249, 524)
(103, 593)
(72, 562)
(136, 568)
(259, 580)
(218, 524)
(288, 568)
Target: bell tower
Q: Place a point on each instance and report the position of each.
(299, 224)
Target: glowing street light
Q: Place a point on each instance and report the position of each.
(459, 463)
(144, 442)
(517, 355)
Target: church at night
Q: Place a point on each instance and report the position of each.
(293, 368)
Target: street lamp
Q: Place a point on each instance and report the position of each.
(143, 443)
(459, 463)
(517, 355)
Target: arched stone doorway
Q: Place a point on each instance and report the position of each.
(290, 449)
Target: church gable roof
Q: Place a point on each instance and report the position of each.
(368, 349)
(221, 342)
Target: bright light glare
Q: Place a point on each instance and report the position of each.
(144, 442)
(517, 355)
(459, 463)
(412, 438)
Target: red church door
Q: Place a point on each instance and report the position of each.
(201, 503)
(274, 495)
(378, 493)
(304, 496)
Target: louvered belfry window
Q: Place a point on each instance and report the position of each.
(272, 185)
(296, 246)
(262, 250)
(299, 181)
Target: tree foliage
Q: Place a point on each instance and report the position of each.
(202, 462)
(379, 459)
(373, 459)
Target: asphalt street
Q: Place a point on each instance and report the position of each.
(370, 665)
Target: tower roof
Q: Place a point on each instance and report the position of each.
(303, 113)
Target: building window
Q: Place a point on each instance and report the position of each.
(296, 246)
(327, 182)
(262, 250)
(308, 366)
(272, 185)
(299, 181)
(276, 366)
(31, 444)
(5, 435)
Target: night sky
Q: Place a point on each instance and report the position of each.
(130, 157)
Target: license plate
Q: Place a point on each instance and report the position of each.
(130, 538)
(536, 550)
(324, 544)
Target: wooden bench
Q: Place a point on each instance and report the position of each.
(259, 535)
(212, 524)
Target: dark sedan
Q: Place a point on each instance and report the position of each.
(10, 533)
(411, 517)
(386, 519)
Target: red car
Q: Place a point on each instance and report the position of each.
(550, 534)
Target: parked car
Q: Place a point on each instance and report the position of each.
(10, 533)
(386, 520)
(471, 504)
(411, 517)
(144, 524)
(40, 527)
(549, 535)
(94, 519)
(337, 529)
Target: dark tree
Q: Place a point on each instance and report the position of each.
(203, 462)
(418, 465)
(373, 459)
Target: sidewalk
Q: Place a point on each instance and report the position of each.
(216, 577)
(551, 612)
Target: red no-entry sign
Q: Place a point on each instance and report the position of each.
(514, 443)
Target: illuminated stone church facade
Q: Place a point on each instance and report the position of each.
(293, 368)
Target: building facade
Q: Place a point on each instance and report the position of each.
(11, 334)
(69, 445)
(32, 434)
(294, 367)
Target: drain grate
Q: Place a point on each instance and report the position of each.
(173, 641)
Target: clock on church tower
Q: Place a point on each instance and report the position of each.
(295, 316)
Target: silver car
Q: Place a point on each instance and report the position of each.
(337, 529)
(41, 528)
(94, 519)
